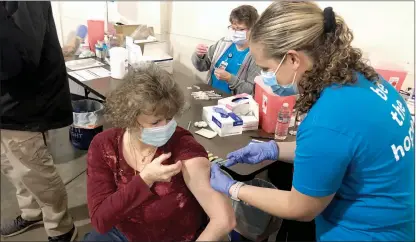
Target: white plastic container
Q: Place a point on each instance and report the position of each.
(135, 55)
(118, 62)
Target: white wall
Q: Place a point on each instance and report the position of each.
(136, 12)
(196, 19)
(385, 34)
(75, 13)
(68, 15)
(383, 30)
(56, 11)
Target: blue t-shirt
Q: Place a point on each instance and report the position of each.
(234, 58)
(357, 141)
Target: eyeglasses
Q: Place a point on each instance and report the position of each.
(235, 28)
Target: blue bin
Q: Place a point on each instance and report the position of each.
(88, 118)
(81, 138)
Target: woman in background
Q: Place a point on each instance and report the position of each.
(70, 49)
(147, 179)
(230, 66)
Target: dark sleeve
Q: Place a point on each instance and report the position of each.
(10, 56)
(21, 37)
(108, 206)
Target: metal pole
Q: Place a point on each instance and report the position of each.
(106, 13)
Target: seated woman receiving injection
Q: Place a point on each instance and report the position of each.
(147, 179)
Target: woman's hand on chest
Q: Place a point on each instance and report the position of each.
(155, 171)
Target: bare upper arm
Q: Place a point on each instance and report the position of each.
(196, 173)
(307, 207)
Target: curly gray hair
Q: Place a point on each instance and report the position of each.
(146, 89)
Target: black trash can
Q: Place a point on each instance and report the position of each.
(88, 121)
(253, 223)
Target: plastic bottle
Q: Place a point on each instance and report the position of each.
(282, 124)
(293, 120)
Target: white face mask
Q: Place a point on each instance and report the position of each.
(239, 37)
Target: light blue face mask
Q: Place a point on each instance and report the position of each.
(158, 136)
(239, 37)
(283, 92)
(269, 78)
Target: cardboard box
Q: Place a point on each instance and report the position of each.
(241, 105)
(224, 126)
(128, 30)
(125, 30)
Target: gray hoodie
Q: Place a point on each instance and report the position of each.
(243, 82)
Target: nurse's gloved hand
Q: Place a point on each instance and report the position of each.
(254, 153)
(219, 181)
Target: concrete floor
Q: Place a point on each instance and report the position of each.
(71, 164)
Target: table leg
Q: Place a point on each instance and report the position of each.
(86, 92)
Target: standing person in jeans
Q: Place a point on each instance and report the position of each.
(229, 63)
(34, 98)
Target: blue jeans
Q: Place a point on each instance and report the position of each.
(234, 236)
(112, 235)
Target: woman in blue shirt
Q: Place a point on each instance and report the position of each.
(230, 66)
(354, 158)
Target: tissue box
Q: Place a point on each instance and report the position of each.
(231, 125)
(241, 105)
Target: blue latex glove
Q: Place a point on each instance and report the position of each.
(253, 153)
(82, 31)
(219, 181)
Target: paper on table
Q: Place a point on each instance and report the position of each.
(82, 64)
(90, 74)
(209, 134)
(101, 72)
